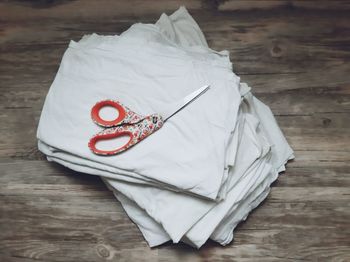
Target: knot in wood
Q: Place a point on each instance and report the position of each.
(326, 122)
(102, 251)
(276, 51)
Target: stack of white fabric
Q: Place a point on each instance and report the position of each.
(206, 168)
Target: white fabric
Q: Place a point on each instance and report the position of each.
(210, 164)
(131, 68)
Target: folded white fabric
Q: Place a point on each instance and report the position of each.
(206, 169)
(145, 71)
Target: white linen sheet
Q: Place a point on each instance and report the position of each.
(206, 169)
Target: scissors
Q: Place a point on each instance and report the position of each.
(129, 123)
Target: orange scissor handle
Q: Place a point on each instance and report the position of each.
(136, 133)
(125, 115)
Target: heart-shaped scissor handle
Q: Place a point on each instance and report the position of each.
(136, 132)
(95, 113)
(125, 115)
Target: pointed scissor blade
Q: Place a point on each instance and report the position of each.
(177, 106)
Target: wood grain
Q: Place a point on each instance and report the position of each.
(295, 55)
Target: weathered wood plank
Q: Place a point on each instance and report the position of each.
(273, 224)
(336, 176)
(286, 50)
(317, 158)
(232, 5)
(282, 39)
(47, 173)
(89, 9)
(108, 9)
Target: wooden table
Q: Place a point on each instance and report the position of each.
(295, 55)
